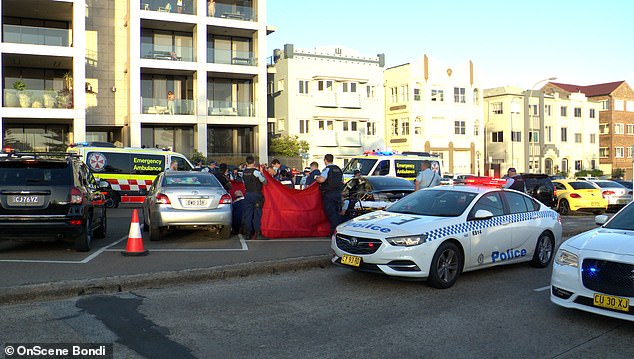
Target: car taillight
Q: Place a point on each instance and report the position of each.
(162, 199)
(607, 193)
(76, 197)
(630, 192)
(555, 193)
(575, 195)
(225, 199)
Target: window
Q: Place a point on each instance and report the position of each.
(619, 152)
(564, 165)
(394, 127)
(349, 86)
(564, 111)
(593, 138)
(604, 129)
(303, 86)
(303, 126)
(476, 97)
(404, 92)
(592, 113)
(371, 91)
(326, 125)
(459, 95)
(577, 111)
(497, 108)
(547, 109)
(619, 105)
(516, 136)
(497, 136)
(578, 165)
(619, 128)
(393, 94)
(459, 127)
(629, 129)
(548, 133)
(416, 94)
(564, 134)
(578, 138)
(604, 152)
(418, 131)
(280, 85)
(532, 110)
(533, 136)
(516, 202)
(270, 88)
(605, 104)
(437, 95)
(349, 125)
(324, 85)
(628, 151)
(371, 128)
(476, 128)
(405, 127)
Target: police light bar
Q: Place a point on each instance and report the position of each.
(485, 181)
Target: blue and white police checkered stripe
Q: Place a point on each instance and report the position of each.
(477, 225)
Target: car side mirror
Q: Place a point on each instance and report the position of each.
(601, 219)
(104, 184)
(482, 214)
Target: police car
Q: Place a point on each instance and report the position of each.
(437, 233)
(594, 271)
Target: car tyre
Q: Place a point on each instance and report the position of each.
(564, 207)
(445, 266)
(155, 233)
(103, 228)
(225, 232)
(544, 251)
(83, 241)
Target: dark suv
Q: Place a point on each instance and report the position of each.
(540, 187)
(50, 196)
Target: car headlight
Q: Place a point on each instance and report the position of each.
(408, 241)
(566, 258)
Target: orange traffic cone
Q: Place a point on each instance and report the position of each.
(135, 240)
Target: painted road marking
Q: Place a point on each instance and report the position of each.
(542, 289)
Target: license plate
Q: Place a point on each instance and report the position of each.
(195, 202)
(24, 200)
(594, 204)
(611, 302)
(621, 201)
(351, 260)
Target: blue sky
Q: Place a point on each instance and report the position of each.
(510, 42)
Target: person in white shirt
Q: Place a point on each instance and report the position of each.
(427, 177)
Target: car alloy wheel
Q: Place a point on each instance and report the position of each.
(543, 251)
(446, 266)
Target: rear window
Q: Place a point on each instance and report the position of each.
(362, 164)
(608, 184)
(206, 180)
(581, 185)
(35, 174)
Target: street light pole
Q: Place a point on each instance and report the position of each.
(531, 122)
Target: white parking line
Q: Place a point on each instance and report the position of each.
(83, 261)
(542, 289)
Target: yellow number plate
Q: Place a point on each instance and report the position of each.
(610, 302)
(351, 260)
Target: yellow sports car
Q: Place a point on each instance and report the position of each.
(573, 196)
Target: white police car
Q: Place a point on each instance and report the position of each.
(594, 270)
(439, 232)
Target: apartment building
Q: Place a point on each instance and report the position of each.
(435, 108)
(616, 121)
(331, 97)
(540, 133)
(184, 74)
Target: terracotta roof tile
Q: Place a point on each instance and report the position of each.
(591, 90)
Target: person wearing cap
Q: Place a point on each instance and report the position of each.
(314, 173)
(330, 182)
(513, 180)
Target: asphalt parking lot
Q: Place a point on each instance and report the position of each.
(30, 268)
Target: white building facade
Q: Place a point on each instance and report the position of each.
(330, 97)
(537, 133)
(435, 108)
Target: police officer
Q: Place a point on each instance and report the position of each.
(330, 183)
(514, 181)
(253, 201)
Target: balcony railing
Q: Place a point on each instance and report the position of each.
(19, 34)
(230, 11)
(218, 56)
(37, 99)
(160, 106)
(224, 108)
(171, 6)
(179, 53)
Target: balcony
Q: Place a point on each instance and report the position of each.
(325, 99)
(19, 34)
(37, 99)
(160, 106)
(225, 108)
(349, 100)
(169, 6)
(349, 138)
(218, 56)
(230, 11)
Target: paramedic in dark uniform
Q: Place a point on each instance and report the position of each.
(253, 201)
(330, 183)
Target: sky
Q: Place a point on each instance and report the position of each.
(511, 43)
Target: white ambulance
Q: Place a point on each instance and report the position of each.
(406, 165)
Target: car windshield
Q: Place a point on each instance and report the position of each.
(361, 164)
(434, 202)
(581, 185)
(623, 220)
(608, 184)
(191, 180)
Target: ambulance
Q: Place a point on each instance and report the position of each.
(384, 163)
(127, 169)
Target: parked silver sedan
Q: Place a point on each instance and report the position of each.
(186, 200)
(616, 194)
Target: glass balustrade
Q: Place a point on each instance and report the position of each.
(160, 106)
(171, 6)
(19, 34)
(178, 53)
(37, 99)
(233, 57)
(230, 11)
(228, 108)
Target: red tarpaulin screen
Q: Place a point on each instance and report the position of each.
(292, 213)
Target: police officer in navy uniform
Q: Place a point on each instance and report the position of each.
(253, 200)
(514, 181)
(330, 183)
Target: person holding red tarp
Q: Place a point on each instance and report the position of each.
(291, 213)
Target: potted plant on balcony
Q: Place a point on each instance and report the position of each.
(23, 95)
(49, 98)
(11, 97)
(65, 95)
